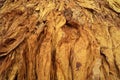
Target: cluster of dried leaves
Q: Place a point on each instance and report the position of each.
(60, 40)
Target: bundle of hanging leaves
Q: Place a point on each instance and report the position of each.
(60, 40)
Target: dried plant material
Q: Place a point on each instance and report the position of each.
(60, 40)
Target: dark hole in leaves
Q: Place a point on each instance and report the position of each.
(38, 23)
(119, 15)
(21, 24)
(68, 24)
(19, 12)
(91, 10)
(16, 77)
(35, 28)
(2, 59)
(78, 64)
(106, 16)
(72, 24)
(44, 22)
(1, 53)
(37, 11)
(43, 32)
(9, 41)
(102, 54)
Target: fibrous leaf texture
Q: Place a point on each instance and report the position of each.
(59, 39)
